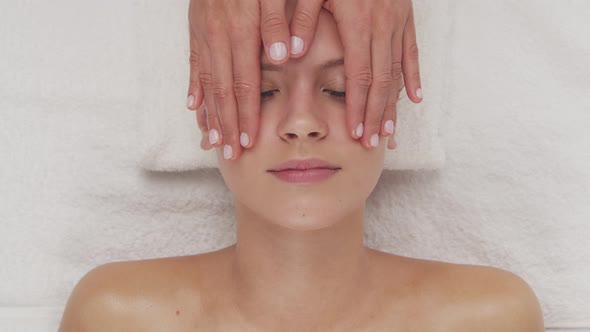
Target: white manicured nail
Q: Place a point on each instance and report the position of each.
(419, 93)
(389, 126)
(296, 45)
(244, 139)
(359, 130)
(375, 140)
(227, 152)
(213, 136)
(190, 101)
(278, 51)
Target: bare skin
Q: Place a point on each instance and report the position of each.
(193, 293)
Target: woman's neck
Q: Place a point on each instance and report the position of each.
(311, 278)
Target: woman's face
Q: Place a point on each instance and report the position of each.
(302, 116)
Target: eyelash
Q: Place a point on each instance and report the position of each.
(337, 94)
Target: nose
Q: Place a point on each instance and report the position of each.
(303, 121)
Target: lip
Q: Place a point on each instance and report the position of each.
(305, 170)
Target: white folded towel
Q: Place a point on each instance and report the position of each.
(169, 133)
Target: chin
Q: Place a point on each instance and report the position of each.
(306, 214)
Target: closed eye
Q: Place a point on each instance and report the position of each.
(338, 94)
(267, 94)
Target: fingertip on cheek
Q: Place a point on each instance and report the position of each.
(244, 140)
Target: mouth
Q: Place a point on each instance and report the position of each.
(305, 171)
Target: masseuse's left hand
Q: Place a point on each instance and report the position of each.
(379, 39)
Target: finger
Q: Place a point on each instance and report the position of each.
(303, 26)
(246, 86)
(381, 87)
(391, 143)
(410, 61)
(390, 119)
(206, 78)
(202, 122)
(223, 93)
(390, 116)
(275, 30)
(356, 39)
(195, 90)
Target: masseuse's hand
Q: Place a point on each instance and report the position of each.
(225, 67)
(379, 40)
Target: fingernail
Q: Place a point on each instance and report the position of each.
(296, 45)
(359, 130)
(389, 126)
(190, 101)
(419, 93)
(227, 152)
(244, 139)
(375, 140)
(278, 51)
(213, 136)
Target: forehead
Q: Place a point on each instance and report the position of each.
(326, 45)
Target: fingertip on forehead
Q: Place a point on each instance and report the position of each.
(327, 39)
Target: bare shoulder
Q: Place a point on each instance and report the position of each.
(461, 297)
(143, 295)
(490, 299)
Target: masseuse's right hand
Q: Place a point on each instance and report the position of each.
(225, 66)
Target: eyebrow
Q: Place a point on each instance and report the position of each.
(324, 66)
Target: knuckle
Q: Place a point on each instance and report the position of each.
(304, 19)
(413, 51)
(383, 82)
(396, 71)
(219, 91)
(363, 78)
(194, 58)
(243, 89)
(206, 80)
(193, 83)
(272, 23)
